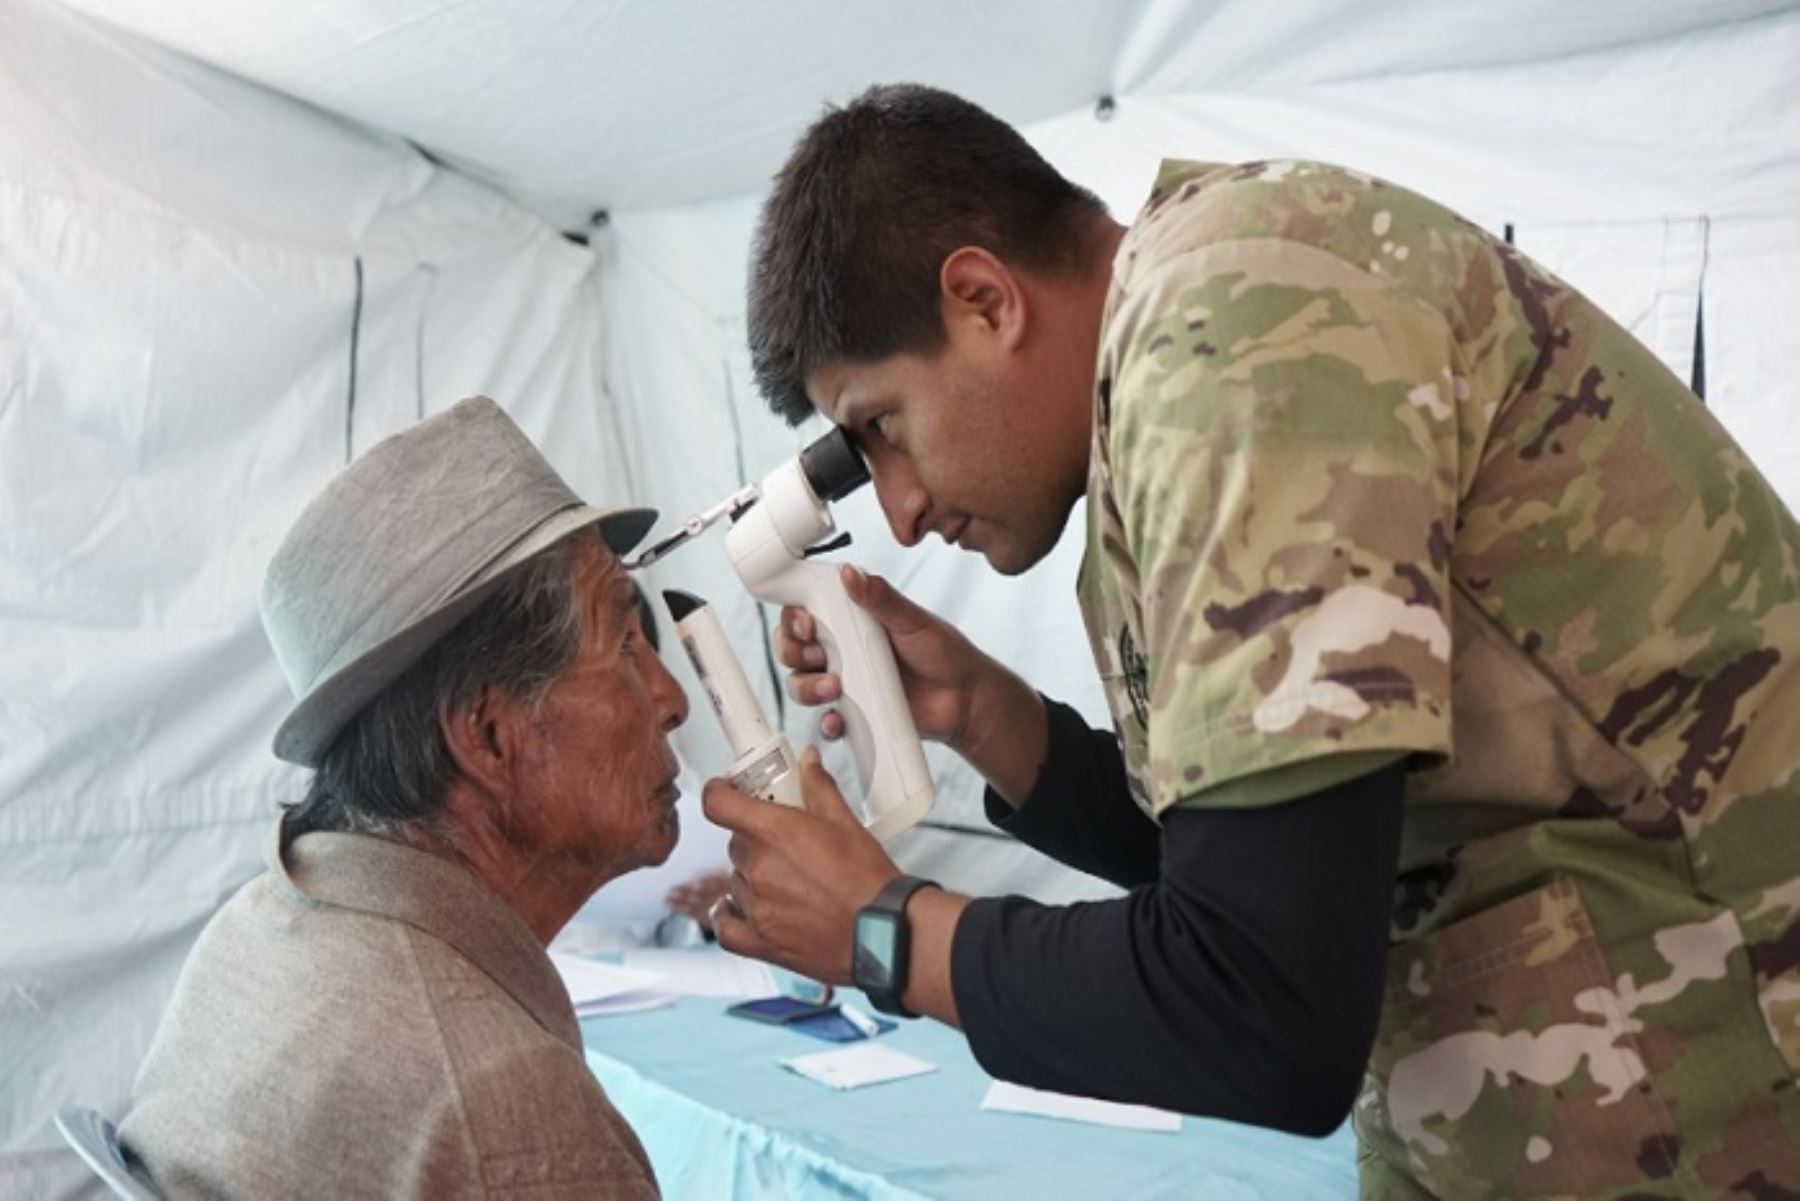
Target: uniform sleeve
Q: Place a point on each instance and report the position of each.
(1281, 440)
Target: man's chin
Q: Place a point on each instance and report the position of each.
(1009, 559)
(668, 826)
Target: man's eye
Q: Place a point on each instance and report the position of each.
(629, 643)
(881, 425)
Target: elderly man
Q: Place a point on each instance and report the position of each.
(376, 1016)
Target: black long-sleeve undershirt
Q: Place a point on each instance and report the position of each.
(1080, 811)
(1241, 977)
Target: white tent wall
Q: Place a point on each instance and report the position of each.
(184, 257)
(192, 272)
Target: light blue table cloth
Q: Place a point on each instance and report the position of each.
(722, 1120)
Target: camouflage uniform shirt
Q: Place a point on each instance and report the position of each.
(1368, 483)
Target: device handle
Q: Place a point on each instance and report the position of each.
(890, 761)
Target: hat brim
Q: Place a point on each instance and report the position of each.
(622, 529)
(307, 732)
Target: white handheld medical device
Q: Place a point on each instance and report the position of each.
(762, 762)
(776, 529)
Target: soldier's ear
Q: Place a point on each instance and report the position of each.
(981, 294)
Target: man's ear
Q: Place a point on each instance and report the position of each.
(483, 737)
(975, 286)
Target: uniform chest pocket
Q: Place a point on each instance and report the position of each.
(1507, 1062)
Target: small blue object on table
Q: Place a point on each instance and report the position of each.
(721, 1119)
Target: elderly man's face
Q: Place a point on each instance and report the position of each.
(596, 776)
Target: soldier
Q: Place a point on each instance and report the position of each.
(1450, 644)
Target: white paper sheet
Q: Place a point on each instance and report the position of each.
(704, 973)
(590, 980)
(1016, 1098)
(858, 1065)
(625, 1002)
(597, 988)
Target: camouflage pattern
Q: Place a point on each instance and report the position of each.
(1366, 482)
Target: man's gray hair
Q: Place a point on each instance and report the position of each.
(388, 770)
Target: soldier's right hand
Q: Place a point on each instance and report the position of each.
(939, 668)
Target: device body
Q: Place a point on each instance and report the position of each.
(763, 763)
(768, 545)
(775, 530)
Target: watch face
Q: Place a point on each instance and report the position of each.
(875, 938)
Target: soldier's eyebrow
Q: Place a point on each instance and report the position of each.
(854, 412)
(842, 410)
(852, 401)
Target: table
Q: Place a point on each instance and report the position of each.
(720, 1119)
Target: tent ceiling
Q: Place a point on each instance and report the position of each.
(577, 105)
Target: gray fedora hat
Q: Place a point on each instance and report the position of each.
(402, 545)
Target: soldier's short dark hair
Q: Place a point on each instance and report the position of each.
(872, 200)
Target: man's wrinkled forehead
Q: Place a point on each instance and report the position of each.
(617, 597)
(603, 587)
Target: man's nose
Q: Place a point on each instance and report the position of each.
(903, 501)
(671, 699)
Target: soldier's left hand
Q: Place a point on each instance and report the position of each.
(798, 875)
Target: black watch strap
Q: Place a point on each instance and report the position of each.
(889, 903)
